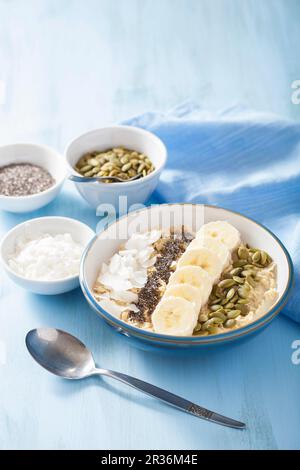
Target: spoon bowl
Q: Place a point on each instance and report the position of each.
(60, 353)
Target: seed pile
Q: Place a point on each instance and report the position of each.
(120, 162)
(229, 298)
(24, 179)
(170, 249)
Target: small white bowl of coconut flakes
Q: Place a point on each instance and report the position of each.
(43, 255)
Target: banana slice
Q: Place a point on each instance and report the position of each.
(215, 245)
(205, 259)
(222, 231)
(187, 292)
(194, 276)
(174, 316)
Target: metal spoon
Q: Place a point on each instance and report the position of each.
(100, 179)
(66, 356)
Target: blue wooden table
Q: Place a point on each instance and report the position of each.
(70, 65)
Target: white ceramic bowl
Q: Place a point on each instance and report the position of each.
(80, 232)
(37, 155)
(109, 137)
(164, 216)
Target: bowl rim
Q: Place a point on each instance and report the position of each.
(188, 340)
(135, 129)
(28, 222)
(57, 183)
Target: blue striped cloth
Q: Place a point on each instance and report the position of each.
(238, 159)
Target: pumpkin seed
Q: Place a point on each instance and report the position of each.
(258, 265)
(233, 313)
(226, 276)
(205, 325)
(141, 167)
(243, 292)
(239, 280)
(217, 320)
(226, 283)
(203, 317)
(230, 293)
(230, 323)
(198, 333)
(93, 162)
(106, 166)
(81, 164)
(235, 298)
(213, 330)
(229, 298)
(256, 257)
(89, 173)
(95, 169)
(219, 314)
(131, 172)
(248, 272)
(215, 301)
(251, 281)
(85, 168)
(239, 263)
(118, 161)
(263, 257)
(236, 271)
(126, 167)
(243, 252)
(230, 305)
(216, 307)
(244, 309)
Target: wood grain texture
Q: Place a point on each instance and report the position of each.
(67, 66)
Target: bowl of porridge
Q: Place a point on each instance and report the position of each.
(186, 276)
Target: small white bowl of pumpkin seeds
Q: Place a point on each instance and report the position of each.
(123, 151)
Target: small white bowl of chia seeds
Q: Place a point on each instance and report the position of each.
(31, 176)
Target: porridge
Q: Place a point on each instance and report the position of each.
(185, 284)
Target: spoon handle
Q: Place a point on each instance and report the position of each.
(171, 399)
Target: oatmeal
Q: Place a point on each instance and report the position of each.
(182, 284)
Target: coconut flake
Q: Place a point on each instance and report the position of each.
(115, 264)
(153, 236)
(124, 296)
(111, 307)
(126, 270)
(115, 282)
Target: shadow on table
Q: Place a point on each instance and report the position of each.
(68, 204)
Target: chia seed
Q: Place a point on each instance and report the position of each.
(151, 293)
(24, 179)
